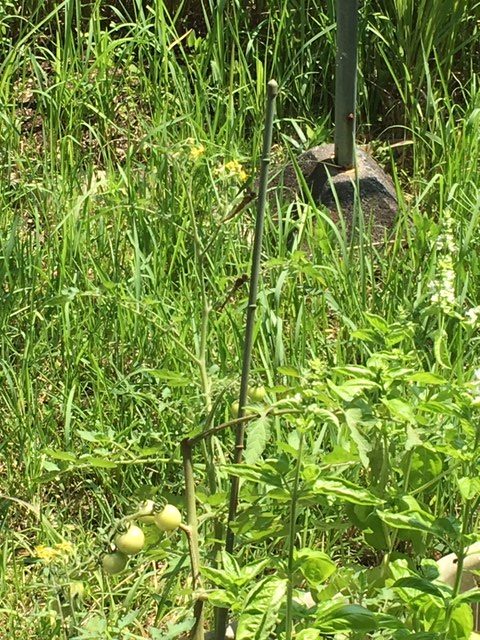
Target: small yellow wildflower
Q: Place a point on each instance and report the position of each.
(59, 552)
(196, 150)
(65, 548)
(49, 554)
(234, 169)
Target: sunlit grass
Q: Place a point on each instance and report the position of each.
(128, 142)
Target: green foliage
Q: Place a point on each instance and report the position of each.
(130, 135)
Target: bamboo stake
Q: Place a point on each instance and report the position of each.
(272, 91)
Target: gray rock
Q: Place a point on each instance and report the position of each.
(328, 183)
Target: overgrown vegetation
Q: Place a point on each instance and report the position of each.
(130, 137)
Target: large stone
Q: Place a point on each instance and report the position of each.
(337, 188)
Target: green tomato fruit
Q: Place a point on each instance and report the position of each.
(145, 511)
(168, 519)
(234, 409)
(257, 394)
(113, 563)
(131, 541)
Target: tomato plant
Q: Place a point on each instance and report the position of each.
(168, 519)
(257, 394)
(115, 562)
(131, 541)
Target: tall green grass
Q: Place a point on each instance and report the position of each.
(121, 319)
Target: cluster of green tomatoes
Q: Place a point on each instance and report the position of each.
(129, 538)
(255, 395)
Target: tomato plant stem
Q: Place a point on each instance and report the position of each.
(192, 535)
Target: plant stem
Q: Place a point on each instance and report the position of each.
(291, 543)
(466, 526)
(346, 82)
(197, 632)
(234, 423)
(272, 91)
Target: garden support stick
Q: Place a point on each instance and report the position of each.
(346, 82)
(272, 91)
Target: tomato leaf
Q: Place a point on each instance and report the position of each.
(258, 433)
(344, 490)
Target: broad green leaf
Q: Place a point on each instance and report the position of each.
(89, 436)
(347, 617)
(461, 624)
(366, 335)
(222, 598)
(359, 384)
(173, 378)
(265, 473)
(258, 433)
(410, 521)
(377, 322)
(344, 490)
(101, 463)
(468, 596)
(218, 577)
(315, 566)
(419, 584)
(423, 464)
(421, 521)
(469, 487)
(258, 617)
(289, 371)
(50, 466)
(230, 565)
(354, 370)
(308, 634)
(66, 456)
(418, 636)
(376, 533)
(353, 417)
(399, 409)
(425, 377)
(243, 471)
(339, 457)
(174, 630)
(251, 571)
(413, 438)
(352, 388)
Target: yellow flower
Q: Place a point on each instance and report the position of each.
(196, 150)
(49, 554)
(234, 169)
(59, 552)
(65, 548)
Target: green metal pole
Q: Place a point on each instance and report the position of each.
(346, 82)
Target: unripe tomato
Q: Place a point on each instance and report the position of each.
(145, 511)
(113, 563)
(169, 519)
(131, 541)
(257, 394)
(234, 409)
